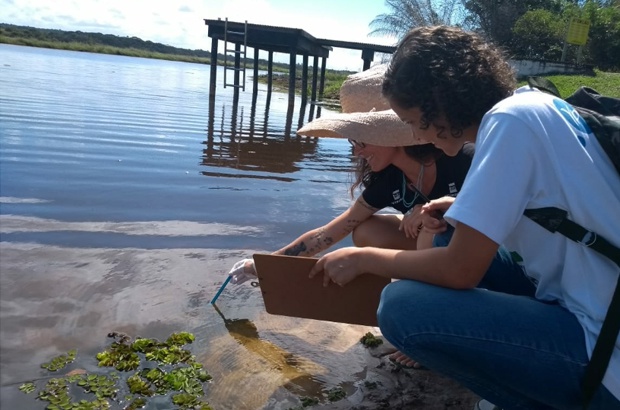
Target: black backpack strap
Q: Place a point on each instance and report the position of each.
(543, 84)
(555, 220)
(603, 349)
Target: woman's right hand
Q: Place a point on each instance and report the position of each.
(432, 214)
(242, 271)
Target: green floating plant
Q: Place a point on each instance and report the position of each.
(370, 340)
(137, 385)
(119, 356)
(189, 401)
(309, 401)
(27, 387)
(168, 354)
(370, 385)
(180, 339)
(101, 385)
(160, 368)
(336, 394)
(59, 362)
(136, 404)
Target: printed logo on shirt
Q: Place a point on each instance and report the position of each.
(572, 116)
(452, 188)
(396, 195)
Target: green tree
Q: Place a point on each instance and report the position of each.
(496, 18)
(603, 46)
(404, 15)
(538, 34)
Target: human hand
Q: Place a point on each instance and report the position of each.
(411, 223)
(340, 266)
(432, 214)
(242, 271)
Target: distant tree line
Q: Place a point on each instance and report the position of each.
(113, 44)
(42, 34)
(531, 29)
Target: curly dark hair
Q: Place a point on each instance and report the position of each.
(425, 154)
(446, 71)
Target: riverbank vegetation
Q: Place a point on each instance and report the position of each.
(604, 83)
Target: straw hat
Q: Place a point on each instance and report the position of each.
(366, 115)
(382, 128)
(361, 92)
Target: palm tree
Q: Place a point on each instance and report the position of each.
(407, 14)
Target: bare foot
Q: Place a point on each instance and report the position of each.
(403, 360)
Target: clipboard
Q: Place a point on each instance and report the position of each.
(288, 291)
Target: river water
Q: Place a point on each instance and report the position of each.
(125, 198)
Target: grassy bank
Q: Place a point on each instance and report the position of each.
(604, 83)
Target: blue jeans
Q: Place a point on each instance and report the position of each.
(508, 347)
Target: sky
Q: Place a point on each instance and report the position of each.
(180, 23)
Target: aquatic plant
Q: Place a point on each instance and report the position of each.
(60, 362)
(150, 368)
(370, 385)
(370, 340)
(309, 401)
(28, 387)
(336, 394)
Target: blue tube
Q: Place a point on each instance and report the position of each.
(219, 292)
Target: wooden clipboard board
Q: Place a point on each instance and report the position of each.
(288, 291)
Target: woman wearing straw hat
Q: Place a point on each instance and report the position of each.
(393, 167)
(395, 171)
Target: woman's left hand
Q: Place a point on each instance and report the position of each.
(340, 266)
(411, 224)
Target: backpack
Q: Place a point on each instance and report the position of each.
(602, 114)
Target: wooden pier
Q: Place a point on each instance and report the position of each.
(238, 36)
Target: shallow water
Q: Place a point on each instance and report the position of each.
(125, 198)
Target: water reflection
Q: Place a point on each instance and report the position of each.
(258, 147)
(298, 371)
(233, 144)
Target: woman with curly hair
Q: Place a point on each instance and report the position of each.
(532, 151)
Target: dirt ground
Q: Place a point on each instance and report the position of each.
(390, 386)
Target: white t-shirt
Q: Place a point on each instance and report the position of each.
(533, 151)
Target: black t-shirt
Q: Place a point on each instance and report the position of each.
(387, 188)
